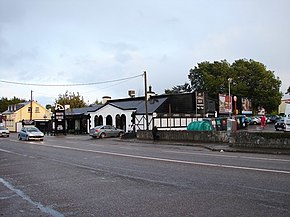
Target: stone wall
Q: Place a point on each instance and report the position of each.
(185, 136)
(261, 139)
(277, 140)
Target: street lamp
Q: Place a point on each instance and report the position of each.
(230, 99)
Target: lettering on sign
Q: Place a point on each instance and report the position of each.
(200, 101)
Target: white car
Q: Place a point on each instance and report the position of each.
(255, 120)
(4, 132)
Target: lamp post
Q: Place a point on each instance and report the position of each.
(230, 99)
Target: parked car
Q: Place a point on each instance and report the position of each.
(4, 132)
(255, 120)
(280, 124)
(274, 118)
(105, 131)
(30, 133)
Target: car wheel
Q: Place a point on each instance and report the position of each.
(27, 138)
(120, 134)
(277, 129)
(19, 137)
(102, 135)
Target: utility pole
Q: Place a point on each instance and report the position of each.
(146, 100)
(230, 98)
(31, 105)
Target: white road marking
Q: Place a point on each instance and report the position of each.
(41, 207)
(229, 156)
(167, 160)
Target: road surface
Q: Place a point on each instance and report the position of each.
(80, 176)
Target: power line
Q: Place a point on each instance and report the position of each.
(66, 85)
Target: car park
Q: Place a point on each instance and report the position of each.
(280, 124)
(274, 118)
(30, 133)
(105, 131)
(4, 132)
(255, 120)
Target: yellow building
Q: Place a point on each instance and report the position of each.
(16, 114)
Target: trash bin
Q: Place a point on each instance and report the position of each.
(200, 126)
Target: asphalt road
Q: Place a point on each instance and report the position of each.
(79, 176)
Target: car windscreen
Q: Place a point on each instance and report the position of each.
(3, 128)
(32, 129)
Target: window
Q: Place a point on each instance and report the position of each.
(29, 109)
(37, 110)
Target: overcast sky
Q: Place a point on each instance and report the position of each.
(84, 41)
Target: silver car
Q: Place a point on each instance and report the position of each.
(105, 131)
(30, 133)
(4, 132)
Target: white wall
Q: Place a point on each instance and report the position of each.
(113, 111)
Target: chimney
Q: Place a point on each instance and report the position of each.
(150, 92)
(106, 99)
(131, 93)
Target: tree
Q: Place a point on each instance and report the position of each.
(5, 102)
(72, 99)
(250, 79)
(185, 88)
(210, 77)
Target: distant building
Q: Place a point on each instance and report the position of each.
(283, 105)
(164, 111)
(17, 114)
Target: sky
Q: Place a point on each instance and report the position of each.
(110, 43)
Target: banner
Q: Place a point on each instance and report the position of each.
(225, 104)
(246, 106)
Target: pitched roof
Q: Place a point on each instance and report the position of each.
(138, 103)
(79, 111)
(15, 107)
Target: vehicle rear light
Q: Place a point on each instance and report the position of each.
(97, 131)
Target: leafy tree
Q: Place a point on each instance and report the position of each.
(185, 88)
(48, 106)
(5, 102)
(72, 99)
(250, 79)
(97, 102)
(210, 77)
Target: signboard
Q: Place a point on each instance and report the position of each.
(224, 104)
(28, 122)
(58, 120)
(246, 106)
(200, 101)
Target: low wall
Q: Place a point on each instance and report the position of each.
(279, 140)
(185, 136)
(247, 139)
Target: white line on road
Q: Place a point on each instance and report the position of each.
(166, 160)
(20, 193)
(229, 156)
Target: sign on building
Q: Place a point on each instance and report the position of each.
(58, 120)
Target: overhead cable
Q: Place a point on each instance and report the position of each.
(77, 84)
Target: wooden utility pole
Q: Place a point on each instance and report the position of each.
(31, 105)
(146, 100)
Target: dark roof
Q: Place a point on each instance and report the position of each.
(138, 103)
(15, 107)
(79, 111)
(153, 104)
